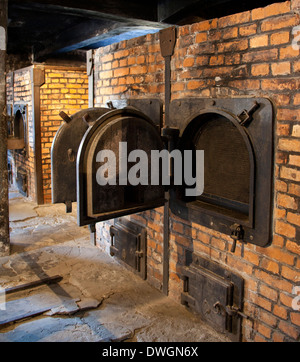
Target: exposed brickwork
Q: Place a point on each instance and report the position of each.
(65, 89)
(19, 89)
(123, 73)
(247, 54)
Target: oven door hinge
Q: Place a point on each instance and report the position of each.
(170, 137)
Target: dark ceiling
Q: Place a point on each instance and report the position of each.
(46, 28)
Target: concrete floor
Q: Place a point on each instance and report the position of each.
(97, 300)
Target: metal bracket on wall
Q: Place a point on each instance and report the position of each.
(90, 73)
(167, 38)
(237, 234)
(37, 80)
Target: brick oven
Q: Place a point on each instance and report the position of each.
(35, 95)
(231, 255)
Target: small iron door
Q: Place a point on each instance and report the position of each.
(216, 294)
(129, 244)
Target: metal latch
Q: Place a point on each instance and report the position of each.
(246, 116)
(229, 310)
(139, 254)
(237, 234)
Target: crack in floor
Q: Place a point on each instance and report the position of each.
(133, 338)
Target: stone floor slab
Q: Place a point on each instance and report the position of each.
(98, 299)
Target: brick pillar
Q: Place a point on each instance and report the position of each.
(4, 219)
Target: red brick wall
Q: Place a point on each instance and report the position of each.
(65, 89)
(132, 68)
(244, 54)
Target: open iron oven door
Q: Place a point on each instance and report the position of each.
(104, 151)
(64, 153)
